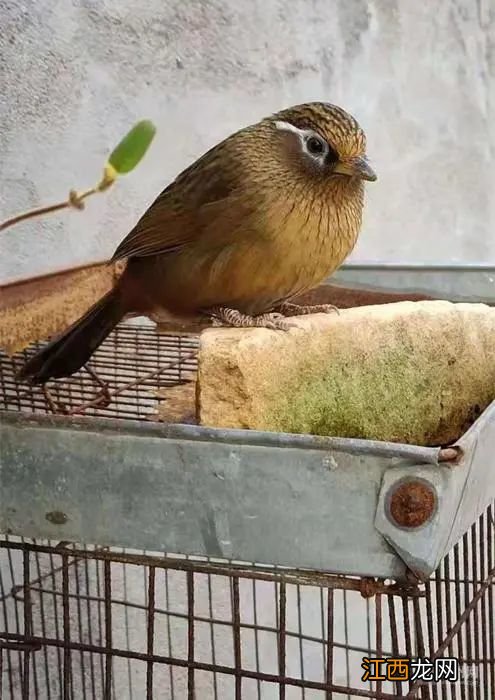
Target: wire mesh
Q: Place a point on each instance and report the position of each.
(123, 379)
(89, 622)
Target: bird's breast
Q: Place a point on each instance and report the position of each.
(287, 244)
(291, 246)
(314, 233)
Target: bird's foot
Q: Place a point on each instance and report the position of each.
(222, 316)
(288, 309)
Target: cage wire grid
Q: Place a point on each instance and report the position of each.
(82, 621)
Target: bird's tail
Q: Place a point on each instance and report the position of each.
(68, 352)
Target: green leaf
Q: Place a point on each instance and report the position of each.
(132, 148)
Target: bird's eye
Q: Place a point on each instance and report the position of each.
(315, 146)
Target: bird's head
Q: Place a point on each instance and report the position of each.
(323, 140)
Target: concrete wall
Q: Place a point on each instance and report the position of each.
(75, 74)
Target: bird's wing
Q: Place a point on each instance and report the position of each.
(157, 231)
(171, 222)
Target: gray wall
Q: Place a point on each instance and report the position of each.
(74, 75)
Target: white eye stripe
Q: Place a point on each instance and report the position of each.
(287, 126)
(305, 135)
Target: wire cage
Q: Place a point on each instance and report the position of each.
(92, 621)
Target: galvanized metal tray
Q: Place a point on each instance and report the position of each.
(295, 501)
(346, 506)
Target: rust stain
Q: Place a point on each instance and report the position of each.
(56, 517)
(349, 297)
(412, 503)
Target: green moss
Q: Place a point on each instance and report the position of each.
(373, 398)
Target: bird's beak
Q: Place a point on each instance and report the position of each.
(356, 167)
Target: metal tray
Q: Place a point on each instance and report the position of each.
(295, 501)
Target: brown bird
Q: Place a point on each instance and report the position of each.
(263, 216)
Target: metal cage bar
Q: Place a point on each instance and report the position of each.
(97, 622)
(59, 611)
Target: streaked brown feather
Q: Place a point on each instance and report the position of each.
(242, 226)
(249, 225)
(170, 222)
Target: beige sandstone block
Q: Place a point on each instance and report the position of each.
(413, 372)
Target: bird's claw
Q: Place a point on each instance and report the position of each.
(327, 309)
(222, 316)
(278, 323)
(289, 309)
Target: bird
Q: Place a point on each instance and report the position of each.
(263, 216)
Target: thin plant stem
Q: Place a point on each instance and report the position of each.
(75, 200)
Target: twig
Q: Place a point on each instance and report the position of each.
(75, 200)
(31, 214)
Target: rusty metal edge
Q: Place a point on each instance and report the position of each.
(343, 289)
(27, 290)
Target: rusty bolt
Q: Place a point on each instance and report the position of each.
(411, 503)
